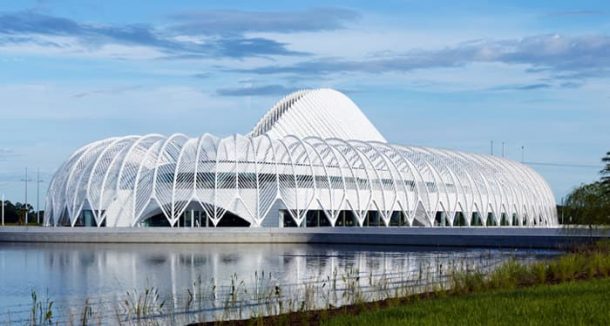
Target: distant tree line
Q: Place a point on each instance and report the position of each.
(589, 204)
(15, 213)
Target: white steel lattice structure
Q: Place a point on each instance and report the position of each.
(313, 160)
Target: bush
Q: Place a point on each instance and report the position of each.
(538, 273)
(465, 282)
(508, 276)
(584, 263)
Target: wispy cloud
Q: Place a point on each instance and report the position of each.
(265, 90)
(522, 87)
(109, 91)
(575, 13)
(221, 22)
(24, 27)
(6, 153)
(561, 55)
(532, 86)
(201, 75)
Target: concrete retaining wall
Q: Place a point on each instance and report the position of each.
(412, 236)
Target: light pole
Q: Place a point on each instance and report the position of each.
(2, 209)
(25, 204)
(38, 182)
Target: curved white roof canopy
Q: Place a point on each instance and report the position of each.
(125, 180)
(324, 113)
(314, 151)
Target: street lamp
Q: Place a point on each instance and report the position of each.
(38, 182)
(25, 204)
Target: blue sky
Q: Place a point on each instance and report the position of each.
(436, 73)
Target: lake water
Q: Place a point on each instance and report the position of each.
(70, 273)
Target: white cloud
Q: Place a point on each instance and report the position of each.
(55, 102)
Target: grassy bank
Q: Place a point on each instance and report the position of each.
(572, 303)
(572, 289)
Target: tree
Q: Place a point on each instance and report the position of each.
(588, 204)
(15, 213)
(11, 213)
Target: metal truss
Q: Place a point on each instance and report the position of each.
(320, 167)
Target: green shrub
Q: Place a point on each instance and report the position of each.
(466, 282)
(508, 276)
(538, 272)
(568, 267)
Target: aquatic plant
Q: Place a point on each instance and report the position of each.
(42, 311)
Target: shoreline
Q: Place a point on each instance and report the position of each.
(495, 237)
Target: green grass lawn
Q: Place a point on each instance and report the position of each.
(575, 303)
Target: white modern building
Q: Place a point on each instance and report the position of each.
(314, 160)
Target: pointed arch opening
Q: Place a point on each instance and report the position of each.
(347, 219)
(476, 220)
(399, 219)
(459, 220)
(504, 220)
(491, 220)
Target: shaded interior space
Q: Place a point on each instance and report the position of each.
(158, 220)
(316, 218)
(372, 218)
(200, 218)
(459, 219)
(231, 220)
(491, 220)
(86, 218)
(441, 219)
(195, 219)
(346, 218)
(64, 218)
(476, 220)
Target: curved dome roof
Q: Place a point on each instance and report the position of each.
(313, 151)
(324, 113)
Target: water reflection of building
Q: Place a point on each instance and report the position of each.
(103, 273)
(314, 160)
(101, 270)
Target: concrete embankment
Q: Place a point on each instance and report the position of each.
(412, 236)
